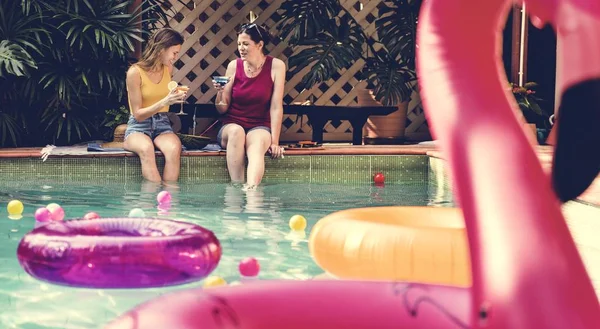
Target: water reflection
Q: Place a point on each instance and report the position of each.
(233, 200)
(240, 200)
(143, 195)
(255, 201)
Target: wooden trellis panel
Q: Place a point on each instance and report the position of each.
(209, 27)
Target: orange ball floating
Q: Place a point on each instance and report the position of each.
(416, 244)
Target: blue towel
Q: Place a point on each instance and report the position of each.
(96, 147)
(212, 148)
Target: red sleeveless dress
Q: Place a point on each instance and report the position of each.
(251, 97)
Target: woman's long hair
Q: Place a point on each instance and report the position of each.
(163, 39)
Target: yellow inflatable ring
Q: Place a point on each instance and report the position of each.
(418, 244)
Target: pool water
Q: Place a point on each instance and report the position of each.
(247, 223)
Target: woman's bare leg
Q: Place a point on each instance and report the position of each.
(141, 144)
(170, 146)
(257, 144)
(233, 138)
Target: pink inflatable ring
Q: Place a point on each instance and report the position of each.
(119, 253)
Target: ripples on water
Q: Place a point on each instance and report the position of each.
(248, 223)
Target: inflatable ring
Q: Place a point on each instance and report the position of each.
(417, 244)
(315, 304)
(119, 252)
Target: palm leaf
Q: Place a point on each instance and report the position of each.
(34, 6)
(304, 19)
(14, 59)
(157, 13)
(9, 129)
(30, 31)
(64, 123)
(393, 81)
(328, 52)
(397, 28)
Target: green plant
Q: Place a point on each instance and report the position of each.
(63, 62)
(529, 104)
(329, 40)
(115, 117)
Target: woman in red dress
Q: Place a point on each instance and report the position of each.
(251, 103)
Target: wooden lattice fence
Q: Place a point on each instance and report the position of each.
(209, 27)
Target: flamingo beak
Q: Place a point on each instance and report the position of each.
(576, 157)
(576, 162)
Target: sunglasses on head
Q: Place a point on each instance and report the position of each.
(249, 26)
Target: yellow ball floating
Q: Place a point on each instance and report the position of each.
(15, 208)
(297, 223)
(214, 281)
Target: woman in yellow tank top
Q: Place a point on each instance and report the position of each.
(149, 101)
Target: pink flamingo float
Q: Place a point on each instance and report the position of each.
(577, 23)
(527, 272)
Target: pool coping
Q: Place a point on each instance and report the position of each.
(544, 154)
(325, 150)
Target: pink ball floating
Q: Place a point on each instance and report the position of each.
(249, 267)
(42, 215)
(57, 211)
(163, 197)
(91, 215)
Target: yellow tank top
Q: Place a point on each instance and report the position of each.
(152, 92)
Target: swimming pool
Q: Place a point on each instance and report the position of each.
(247, 223)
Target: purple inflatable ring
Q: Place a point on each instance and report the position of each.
(119, 253)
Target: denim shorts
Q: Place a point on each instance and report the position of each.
(155, 125)
(220, 133)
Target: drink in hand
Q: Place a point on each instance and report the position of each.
(184, 89)
(222, 80)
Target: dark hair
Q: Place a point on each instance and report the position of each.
(257, 33)
(164, 38)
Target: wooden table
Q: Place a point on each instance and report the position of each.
(318, 115)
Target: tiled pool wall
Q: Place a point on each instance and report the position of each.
(329, 169)
(440, 189)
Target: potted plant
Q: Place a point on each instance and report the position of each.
(328, 39)
(529, 104)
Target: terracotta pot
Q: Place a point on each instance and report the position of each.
(365, 97)
(382, 129)
(386, 129)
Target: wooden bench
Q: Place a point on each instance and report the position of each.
(318, 115)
